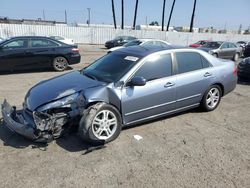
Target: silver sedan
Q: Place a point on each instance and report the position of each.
(128, 86)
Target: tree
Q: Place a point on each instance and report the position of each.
(163, 15)
(170, 15)
(135, 15)
(113, 11)
(192, 18)
(122, 26)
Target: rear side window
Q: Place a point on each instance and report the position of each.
(188, 61)
(225, 45)
(205, 63)
(231, 45)
(37, 43)
(156, 68)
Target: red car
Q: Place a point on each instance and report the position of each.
(199, 43)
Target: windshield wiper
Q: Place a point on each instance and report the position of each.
(89, 75)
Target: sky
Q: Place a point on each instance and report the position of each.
(229, 14)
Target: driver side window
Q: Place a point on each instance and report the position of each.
(225, 45)
(16, 44)
(156, 67)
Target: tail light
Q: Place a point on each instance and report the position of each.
(75, 50)
(235, 71)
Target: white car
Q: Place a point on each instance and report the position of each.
(64, 40)
(141, 42)
(1, 39)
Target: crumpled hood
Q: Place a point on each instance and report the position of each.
(58, 87)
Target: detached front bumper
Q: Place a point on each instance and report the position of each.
(16, 122)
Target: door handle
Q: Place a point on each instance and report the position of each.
(169, 84)
(27, 52)
(207, 74)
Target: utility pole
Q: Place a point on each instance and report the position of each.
(163, 15)
(192, 19)
(122, 26)
(89, 10)
(135, 15)
(113, 11)
(170, 15)
(65, 17)
(43, 15)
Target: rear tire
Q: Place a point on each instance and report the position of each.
(100, 124)
(211, 98)
(60, 63)
(215, 55)
(236, 57)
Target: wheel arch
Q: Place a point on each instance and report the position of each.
(221, 87)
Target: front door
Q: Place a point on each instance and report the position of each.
(12, 55)
(155, 98)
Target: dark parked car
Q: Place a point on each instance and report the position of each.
(125, 87)
(225, 50)
(32, 52)
(247, 50)
(244, 68)
(118, 41)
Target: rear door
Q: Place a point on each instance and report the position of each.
(233, 48)
(154, 98)
(13, 54)
(41, 52)
(194, 76)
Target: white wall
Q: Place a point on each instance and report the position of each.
(101, 35)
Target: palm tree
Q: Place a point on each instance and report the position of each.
(122, 26)
(113, 10)
(170, 15)
(163, 15)
(192, 18)
(135, 15)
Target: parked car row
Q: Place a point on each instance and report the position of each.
(32, 52)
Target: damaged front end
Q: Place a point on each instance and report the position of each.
(46, 122)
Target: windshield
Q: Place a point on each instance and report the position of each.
(212, 44)
(111, 67)
(133, 43)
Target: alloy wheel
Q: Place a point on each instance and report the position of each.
(104, 124)
(60, 63)
(213, 98)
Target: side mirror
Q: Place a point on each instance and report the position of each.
(137, 81)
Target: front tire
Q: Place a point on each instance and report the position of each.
(60, 64)
(211, 98)
(100, 123)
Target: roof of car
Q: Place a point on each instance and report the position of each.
(29, 37)
(143, 51)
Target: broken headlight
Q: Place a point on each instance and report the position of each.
(63, 102)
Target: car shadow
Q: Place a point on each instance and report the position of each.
(243, 81)
(70, 142)
(31, 71)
